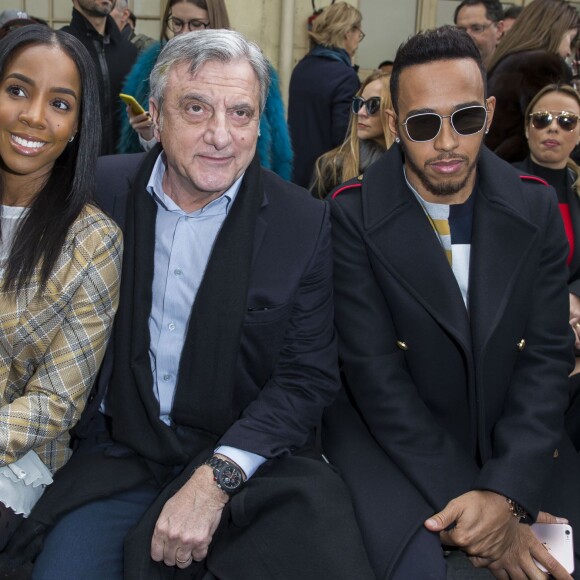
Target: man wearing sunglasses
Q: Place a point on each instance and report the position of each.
(452, 316)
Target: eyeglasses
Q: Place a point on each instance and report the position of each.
(372, 105)
(360, 33)
(176, 25)
(476, 28)
(426, 126)
(543, 119)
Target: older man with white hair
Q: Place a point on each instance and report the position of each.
(202, 464)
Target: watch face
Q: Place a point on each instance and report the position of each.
(230, 478)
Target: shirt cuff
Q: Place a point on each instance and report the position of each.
(248, 461)
(147, 145)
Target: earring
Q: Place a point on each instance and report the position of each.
(397, 140)
(71, 139)
(487, 131)
(259, 132)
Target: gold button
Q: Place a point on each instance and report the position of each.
(402, 345)
(556, 453)
(360, 177)
(522, 344)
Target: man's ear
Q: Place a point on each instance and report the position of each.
(490, 106)
(499, 31)
(155, 113)
(392, 120)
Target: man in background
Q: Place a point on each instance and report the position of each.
(483, 21)
(510, 16)
(112, 54)
(127, 21)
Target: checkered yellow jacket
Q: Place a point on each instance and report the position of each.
(52, 343)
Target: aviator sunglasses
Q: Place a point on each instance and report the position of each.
(543, 119)
(424, 127)
(372, 105)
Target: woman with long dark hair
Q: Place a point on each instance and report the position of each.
(60, 258)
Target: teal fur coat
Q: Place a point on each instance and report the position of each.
(274, 145)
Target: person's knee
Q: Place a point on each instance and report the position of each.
(421, 558)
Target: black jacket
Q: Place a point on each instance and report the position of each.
(321, 91)
(450, 401)
(113, 56)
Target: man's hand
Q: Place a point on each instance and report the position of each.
(186, 525)
(518, 560)
(484, 525)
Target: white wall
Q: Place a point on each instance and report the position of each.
(386, 23)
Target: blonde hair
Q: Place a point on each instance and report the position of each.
(571, 92)
(344, 162)
(333, 23)
(541, 26)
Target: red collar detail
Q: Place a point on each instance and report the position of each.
(344, 188)
(534, 178)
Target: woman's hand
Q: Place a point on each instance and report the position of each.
(141, 123)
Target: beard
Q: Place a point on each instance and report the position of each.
(93, 8)
(444, 188)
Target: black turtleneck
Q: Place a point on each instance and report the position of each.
(557, 178)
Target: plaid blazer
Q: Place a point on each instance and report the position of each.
(52, 342)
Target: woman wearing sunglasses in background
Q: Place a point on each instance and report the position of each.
(553, 131)
(530, 57)
(368, 137)
(183, 16)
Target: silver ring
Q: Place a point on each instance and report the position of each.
(184, 561)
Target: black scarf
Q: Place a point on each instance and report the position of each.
(203, 402)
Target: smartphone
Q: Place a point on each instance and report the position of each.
(133, 103)
(557, 538)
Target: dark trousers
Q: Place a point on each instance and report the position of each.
(292, 520)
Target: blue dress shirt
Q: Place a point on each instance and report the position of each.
(183, 245)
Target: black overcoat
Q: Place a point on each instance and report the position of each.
(449, 401)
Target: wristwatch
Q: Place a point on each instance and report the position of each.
(227, 475)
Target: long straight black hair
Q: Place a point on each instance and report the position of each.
(41, 235)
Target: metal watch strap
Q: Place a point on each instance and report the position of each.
(217, 465)
(214, 462)
(516, 509)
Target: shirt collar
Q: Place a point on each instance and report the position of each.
(155, 188)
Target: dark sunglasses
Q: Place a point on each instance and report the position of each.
(372, 105)
(426, 126)
(543, 119)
